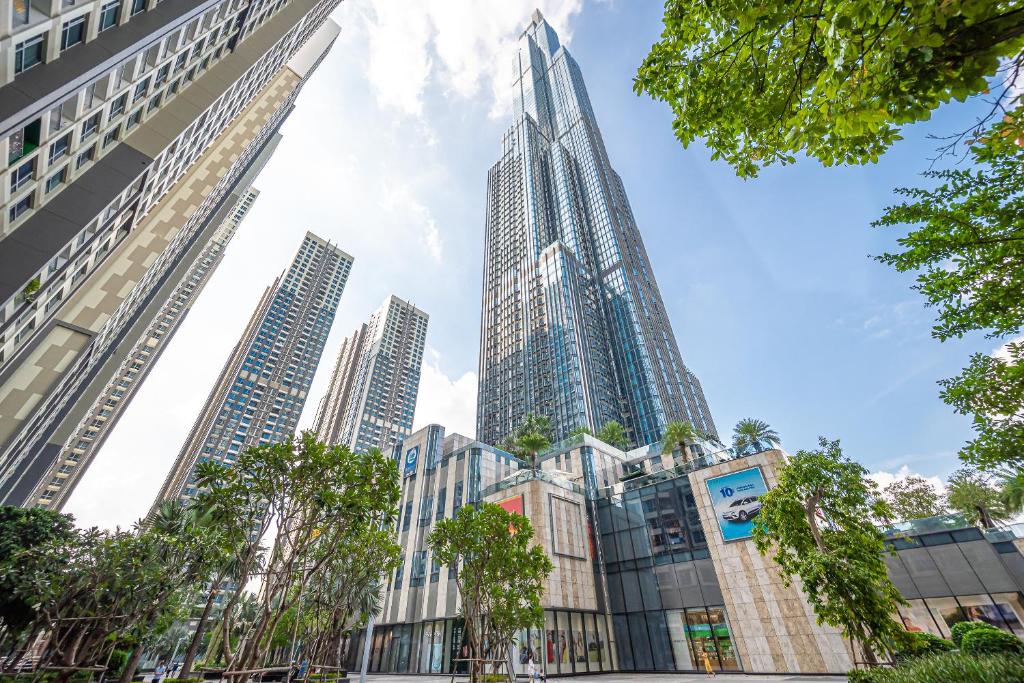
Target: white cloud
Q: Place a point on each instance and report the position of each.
(1002, 352)
(465, 44)
(884, 478)
(445, 401)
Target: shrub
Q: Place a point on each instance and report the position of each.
(918, 643)
(118, 658)
(983, 641)
(865, 675)
(961, 628)
(183, 680)
(952, 667)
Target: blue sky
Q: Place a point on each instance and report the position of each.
(775, 300)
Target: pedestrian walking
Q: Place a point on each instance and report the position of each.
(531, 668)
(159, 672)
(707, 663)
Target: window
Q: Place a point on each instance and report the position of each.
(60, 148)
(117, 108)
(111, 136)
(22, 175)
(20, 207)
(155, 102)
(56, 179)
(60, 114)
(161, 75)
(134, 119)
(28, 53)
(138, 6)
(91, 125)
(108, 14)
(73, 33)
(85, 157)
(180, 62)
(141, 89)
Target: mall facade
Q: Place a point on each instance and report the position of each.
(653, 565)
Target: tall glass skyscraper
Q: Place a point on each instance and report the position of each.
(260, 393)
(573, 326)
(371, 400)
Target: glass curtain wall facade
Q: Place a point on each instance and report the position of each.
(260, 393)
(573, 325)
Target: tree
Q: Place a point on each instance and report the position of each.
(753, 434)
(972, 494)
(322, 499)
(678, 435)
(500, 575)
(913, 497)
(22, 529)
(834, 79)
(579, 431)
(614, 434)
(817, 524)
(532, 437)
(1013, 492)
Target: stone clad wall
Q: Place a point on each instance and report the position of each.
(773, 626)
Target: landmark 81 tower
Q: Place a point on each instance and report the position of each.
(573, 326)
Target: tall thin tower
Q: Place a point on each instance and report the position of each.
(573, 326)
(260, 393)
(371, 400)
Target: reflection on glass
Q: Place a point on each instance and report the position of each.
(946, 613)
(917, 618)
(593, 644)
(550, 643)
(677, 634)
(1011, 609)
(605, 647)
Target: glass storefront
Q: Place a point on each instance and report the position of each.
(936, 615)
(570, 642)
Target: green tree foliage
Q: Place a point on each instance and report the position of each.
(991, 642)
(972, 494)
(913, 498)
(578, 431)
(326, 502)
(835, 79)
(753, 435)
(957, 667)
(500, 575)
(817, 525)
(531, 438)
(614, 434)
(677, 436)
(961, 628)
(1013, 492)
(21, 530)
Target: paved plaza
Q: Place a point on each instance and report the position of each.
(625, 678)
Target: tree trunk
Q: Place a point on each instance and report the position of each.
(132, 664)
(197, 638)
(985, 518)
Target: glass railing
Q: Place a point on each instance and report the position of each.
(527, 475)
(1006, 533)
(928, 525)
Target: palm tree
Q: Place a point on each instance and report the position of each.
(530, 444)
(582, 429)
(753, 433)
(614, 434)
(677, 434)
(1013, 492)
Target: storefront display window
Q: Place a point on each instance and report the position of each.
(981, 608)
(702, 639)
(946, 613)
(579, 650)
(1012, 610)
(677, 634)
(918, 619)
(606, 644)
(723, 639)
(550, 643)
(593, 643)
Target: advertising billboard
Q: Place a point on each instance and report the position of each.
(410, 460)
(736, 500)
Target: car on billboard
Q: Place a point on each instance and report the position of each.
(742, 510)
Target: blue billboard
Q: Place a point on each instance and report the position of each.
(410, 460)
(735, 498)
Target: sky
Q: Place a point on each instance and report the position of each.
(776, 301)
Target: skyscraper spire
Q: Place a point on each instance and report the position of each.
(573, 324)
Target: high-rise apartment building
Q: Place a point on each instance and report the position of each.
(371, 400)
(121, 146)
(573, 326)
(260, 393)
(81, 447)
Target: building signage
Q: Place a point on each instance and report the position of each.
(513, 505)
(410, 460)
(736, 500)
